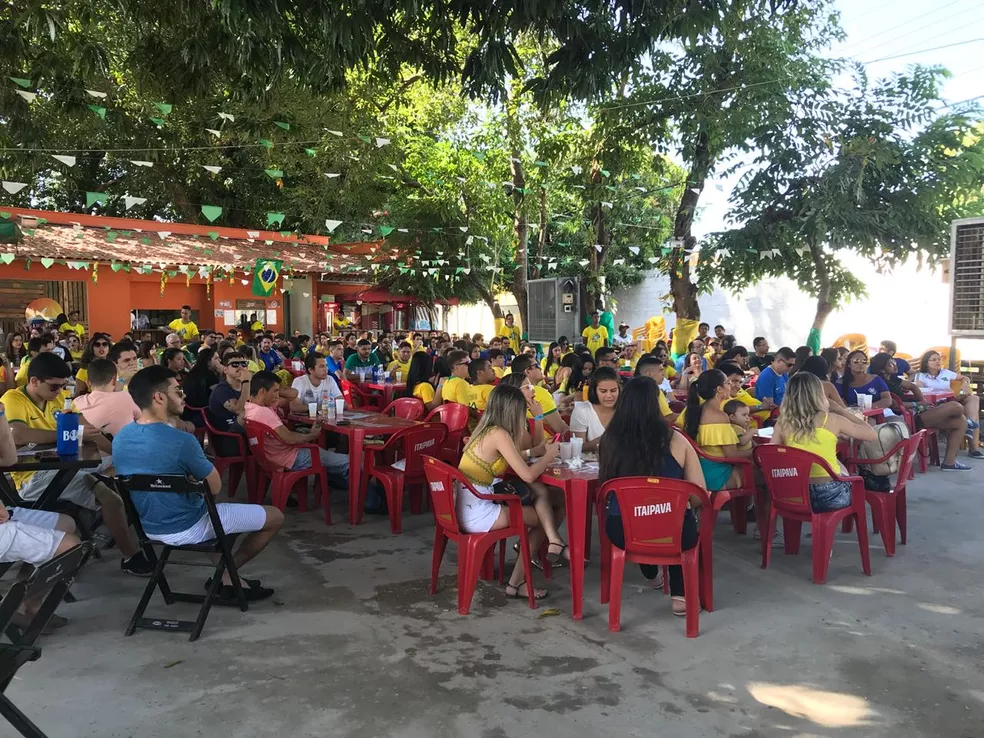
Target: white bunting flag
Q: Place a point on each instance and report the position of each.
(96, 93)
(131, 201)
(802, 251)
(403, 230)
(618, 262)
(29, 96)
(163, 234)
(253, 234)
(606, 204)
(381, 142)
(576, 169)
(334, 133)
(469, 241)
(634, 250)
(14, 187)
(140, 163)
(214, 132)
(68, 161)
(393, 167)
(466, 270)
(724, 253)
(583, 262)
(228, 116)
(598, 247)
(653, 259)
(211, 168)
(463, 229)
(331, 225)
(332, 175)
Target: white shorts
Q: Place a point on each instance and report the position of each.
(476, 515)
(234, 516)
(77, 491)
(29, 536)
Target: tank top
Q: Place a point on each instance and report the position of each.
(478, 471)
(823, 443)
(671, 470)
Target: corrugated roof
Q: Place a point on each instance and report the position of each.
(75, 237)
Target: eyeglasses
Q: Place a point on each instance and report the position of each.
(461, 363)
(55, 387)
(100, 344)
(239, 364)
(860, 362)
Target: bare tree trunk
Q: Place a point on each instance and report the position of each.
(824, 306)
(684, 291)
(520, 222)
(541, 241)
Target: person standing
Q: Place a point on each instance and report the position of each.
(73, 324)
(510, 333)
(595, 335)
(184, 326)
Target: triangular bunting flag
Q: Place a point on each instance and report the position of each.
(211, 168)
(266, 142)
(214, 132)
(29, 96)
(25, 83)
(140, 163)
(386, 230)
(331, 225)
(274, 173)
(274, 219)
(98, 110)
(157, 121)
(228, 116)
(165, 108)
(212, 212)
(366, 139)
(96, 94)
(131, 201)
(334, 133)
(634, 250)
(94, 197)
(381, 142)
(163, 235)
(332, 175)
(14, 187)
(310, 152)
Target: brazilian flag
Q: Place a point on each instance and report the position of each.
(265, 276)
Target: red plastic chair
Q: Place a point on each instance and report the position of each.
(653, 537)
(284, 480)
(929, 447)
(455, 418)
(787, 477)
(410, 444)
(405, 407)
(200, 432)
(887, 508)
(237, 464)
(356, 397)
(472, 547)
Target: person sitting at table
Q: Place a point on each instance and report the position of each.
(384, 350)
(736, 377)
(650, 366)
(890, 348)
(758, 361)
(105, 407)
(497, 360)
(268, 356)
(947, 417)
(401, 363)
(629, 356)
(817, 366)
(150, 446)
(31, 411)
(808, 422)
(456, 387)
(174, 360)
(420, 381)
(315, 386)
(38, 345)
(527, 366)
(351, 345)
(362, 360)
(932, 376)
(482, 378)
(714, 352)
(835, 365)
(801, 354)
(606, 356)
(493, 449)
(694, 347)
(97, 348)
(771, 385)
(735, 355)
(199, 383)
(146, 354)
(568, 379)
(264, 391)
(693, 367)
(550, 364)
(639, 443)
(30, 536)
(227, 403)
(73, 324)
(589, 419)
(707, 424)
(857, 381)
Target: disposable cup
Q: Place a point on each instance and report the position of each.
(339, 408)
(312, 409)
(399, 377)
(576, 445)
(81, 432)
(565, 451)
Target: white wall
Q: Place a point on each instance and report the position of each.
(301, 289)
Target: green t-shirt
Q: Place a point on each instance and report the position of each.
(355, 362)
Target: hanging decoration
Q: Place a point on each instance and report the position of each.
(95, 272)
(163, 282)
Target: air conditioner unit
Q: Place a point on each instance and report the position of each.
(554, 309)
(967, 278)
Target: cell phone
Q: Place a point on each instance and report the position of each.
(557, 437)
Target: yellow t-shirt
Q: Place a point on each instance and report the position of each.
(499, 372)
(424, 392)
(595, 338)
(186, 331)
(20, 379)
(664, 406)
(549, 373)
(21, 409)
(480, 396)
(77, 328)
(456, 390)
(513, 335)
(256, 326)
(76, 355)
(398, 366)
(546, 400)
(253, 366)
(82, 375)
(669, 372)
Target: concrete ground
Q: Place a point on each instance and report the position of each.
(352, 645)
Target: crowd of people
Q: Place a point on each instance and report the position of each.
(144, 405)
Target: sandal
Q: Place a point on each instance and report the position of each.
(538, 594)
(556, 559)
(674, 601)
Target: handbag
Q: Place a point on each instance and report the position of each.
(515, 487)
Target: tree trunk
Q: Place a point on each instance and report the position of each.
(683, 290)
(541, 241)
(824, 306)
(520, 222)
(487, 296)
(602, 238)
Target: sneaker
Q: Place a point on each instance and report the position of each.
(976, 454)
(955, 466)
(137, 565)
(778, 541)
(251, 588)
(973, 424)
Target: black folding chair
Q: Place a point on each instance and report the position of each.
(54, 577)
(221, 545)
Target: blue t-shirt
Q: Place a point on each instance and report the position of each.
(874, 387)
(271, 360)
(334, 368)
(772, 385)
(157, 448)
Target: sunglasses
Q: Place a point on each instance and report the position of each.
(861, 362)
(55, 387)
(100, 344)
(239, 364)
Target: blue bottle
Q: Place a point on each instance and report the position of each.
(67, 429)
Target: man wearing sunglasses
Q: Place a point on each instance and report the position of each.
(456, 387)
(31, 412)
(771, 385)
(228, 401)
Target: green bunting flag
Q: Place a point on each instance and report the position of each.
(275, 218)
(386, 230)
(285, 126)
(266, 142)
(25, 83)
(212, 212)
(165, 108)
(157, 121)
(274, 173)
(265, 276)
(310, 152)
(98, 110)
(94, 197)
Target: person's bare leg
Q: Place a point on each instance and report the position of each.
(65, 524)
(114, 516)
(950, 421)
(543, 505)
(535, 536)
(954, 437)
(253, 543)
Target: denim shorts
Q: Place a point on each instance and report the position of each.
(830, 496)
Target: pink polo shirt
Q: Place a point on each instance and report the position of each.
(277, 451)
(107, 411)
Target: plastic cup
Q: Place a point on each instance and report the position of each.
(399, 377)
(339, 408)
(81, 432)
(312, 409)
(565, 451)
(576, 445)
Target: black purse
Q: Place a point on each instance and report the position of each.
(515, 487)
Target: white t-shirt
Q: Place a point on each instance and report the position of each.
(941, 382)
(306, 392)
(585, 420)
(622, 340)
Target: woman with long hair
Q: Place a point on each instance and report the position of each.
(15, 350)
(835, 364)
(737, 355)
(551, 363)
(817, 366)
(589, 419)
(146, 354)
(419, 381)
(198, 383)
(639, 443)
(857, 381)
(947, 417)
(711, 429)
(801, 354)
(97, 348)
(494, 448)
(810, 423)
(932, 376)
(569, 376)
(692, 368)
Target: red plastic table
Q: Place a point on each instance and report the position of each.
(579, 489)
(358, 426)
(389, 389)
(935, 396)
(878, 413)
